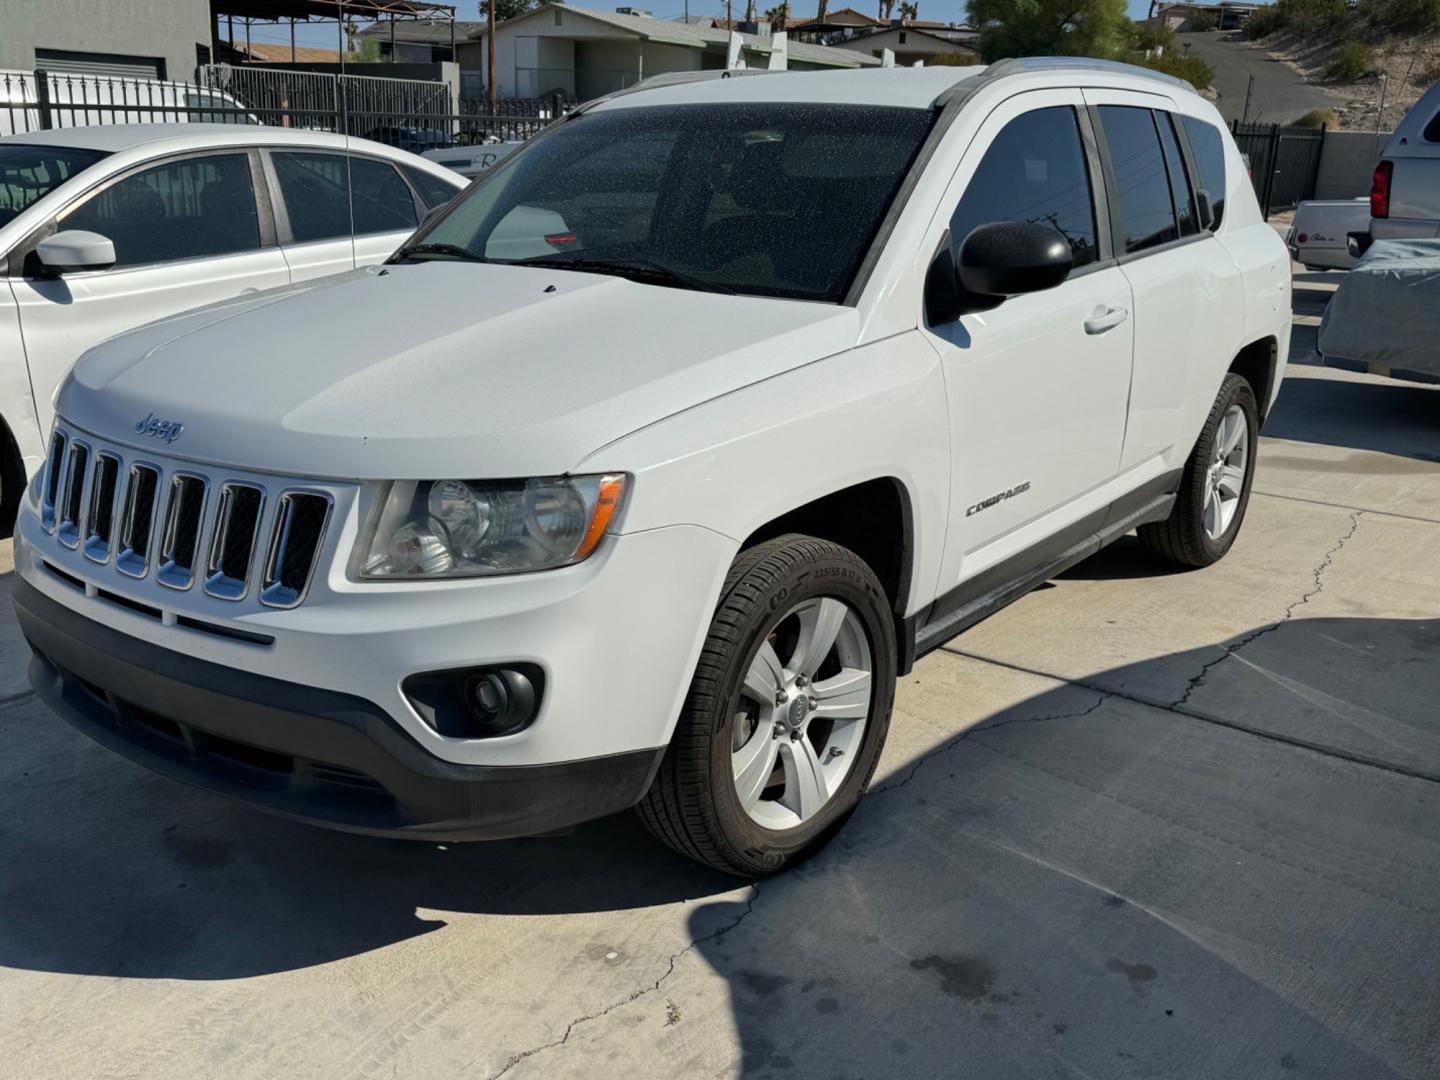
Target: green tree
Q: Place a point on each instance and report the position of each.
(1051, 27)
(507, 9)
(778, 16)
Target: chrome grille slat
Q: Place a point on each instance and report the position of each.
(232, 549)
(137, 522)
(180, 536)
(300, 522)
(72, 494)
(100, 518)
(54, 470)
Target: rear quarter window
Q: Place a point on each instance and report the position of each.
(1207, 146)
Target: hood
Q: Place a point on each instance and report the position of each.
(437, 369)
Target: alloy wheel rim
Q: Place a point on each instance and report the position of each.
(800, 720)
(1225, 478)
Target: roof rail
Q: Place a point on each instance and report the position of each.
(1015, 65)
(671, 78)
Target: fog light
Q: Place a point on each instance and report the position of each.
(477, 703)
(503, 700)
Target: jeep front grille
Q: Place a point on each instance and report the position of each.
(159, 523)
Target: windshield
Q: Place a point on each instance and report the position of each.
(29, 173)
(768, 199)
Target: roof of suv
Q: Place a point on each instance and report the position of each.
(913, 88)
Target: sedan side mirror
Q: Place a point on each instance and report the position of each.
(73, 250)
(995, 262)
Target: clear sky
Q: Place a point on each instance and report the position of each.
(322, 35)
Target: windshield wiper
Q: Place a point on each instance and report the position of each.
(448, 251)
(630, 269)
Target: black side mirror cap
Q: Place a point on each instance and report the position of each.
(1009, 258)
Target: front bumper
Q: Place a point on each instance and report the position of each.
(316, 755)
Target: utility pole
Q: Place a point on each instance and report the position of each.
(490, 57)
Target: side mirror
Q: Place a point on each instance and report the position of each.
(995, 262)
(1008, 258)
(73, 250)
(1206, 208)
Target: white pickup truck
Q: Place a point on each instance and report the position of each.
(638, 476)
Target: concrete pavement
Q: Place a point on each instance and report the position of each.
(1140, 824)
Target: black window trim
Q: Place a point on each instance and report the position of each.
(282, 211)
(1116, 225)
(21, 263)
(1192, 165)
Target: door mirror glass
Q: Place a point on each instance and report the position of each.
(73, 250)
(1008, 258)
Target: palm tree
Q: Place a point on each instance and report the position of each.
(821, 10)
(886, 7)
(909, 10)
(778, 16)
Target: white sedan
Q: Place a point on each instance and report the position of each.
(105, 228)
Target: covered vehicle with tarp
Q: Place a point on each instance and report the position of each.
(1385, 316)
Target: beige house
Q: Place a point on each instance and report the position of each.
(583, 53)
(912, 44)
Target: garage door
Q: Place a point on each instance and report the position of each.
(64, 62)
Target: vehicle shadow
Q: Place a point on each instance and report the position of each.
(1082, 886)
(1392, 418)
(1076, 886)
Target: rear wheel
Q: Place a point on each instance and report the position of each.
(1215, 487)
(786, 715)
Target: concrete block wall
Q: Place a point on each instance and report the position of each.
(1347, 163)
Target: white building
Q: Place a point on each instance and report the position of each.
(584, 53)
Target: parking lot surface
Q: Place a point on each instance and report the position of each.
(1140, 824)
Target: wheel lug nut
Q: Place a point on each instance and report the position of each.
(780, 698)
(801, 681)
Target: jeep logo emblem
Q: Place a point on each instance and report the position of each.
(167, 430)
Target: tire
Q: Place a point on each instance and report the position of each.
(772, 592)
(1188, 537)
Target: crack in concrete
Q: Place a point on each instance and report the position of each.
(13, 698)
(924, 759)
(636, 995)
(1318, 573)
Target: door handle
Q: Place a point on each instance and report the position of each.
(1105, 318)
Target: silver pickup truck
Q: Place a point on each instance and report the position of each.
(1405, 194)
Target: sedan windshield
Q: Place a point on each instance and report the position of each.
(767, 199)
(29, 173)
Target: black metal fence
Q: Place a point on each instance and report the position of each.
(1284, 162)
(402, 112)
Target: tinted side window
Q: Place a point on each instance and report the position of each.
(183, 210)
(434, 191)
(1034, 171)
(1142, 188)
(1207, 146)
(319, 190)
(1179, 183)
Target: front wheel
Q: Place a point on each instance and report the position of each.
(1215, 487)
(787, 713)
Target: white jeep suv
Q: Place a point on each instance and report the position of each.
(638, 476)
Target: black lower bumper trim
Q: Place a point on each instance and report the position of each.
(319, 756)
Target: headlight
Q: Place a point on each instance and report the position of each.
(469, 528)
